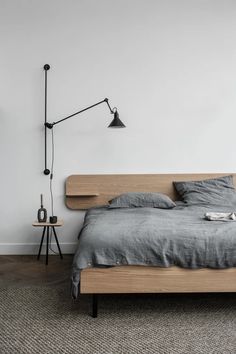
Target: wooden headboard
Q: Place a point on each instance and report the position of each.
(86, 191)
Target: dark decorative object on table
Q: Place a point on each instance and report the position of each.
(53, 219)
(42, 212)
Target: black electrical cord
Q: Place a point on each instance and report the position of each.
(51, 190)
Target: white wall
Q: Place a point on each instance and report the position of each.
(170, 68)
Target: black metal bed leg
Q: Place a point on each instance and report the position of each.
(95, 306)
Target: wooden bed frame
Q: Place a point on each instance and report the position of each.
(86, 191)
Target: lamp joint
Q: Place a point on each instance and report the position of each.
(46, 171)
(49, 125)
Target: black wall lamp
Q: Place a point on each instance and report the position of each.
(115, 123)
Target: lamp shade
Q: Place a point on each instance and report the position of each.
(116, 122)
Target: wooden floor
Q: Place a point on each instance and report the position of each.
(26, 270)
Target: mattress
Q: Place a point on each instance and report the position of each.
(154, 237)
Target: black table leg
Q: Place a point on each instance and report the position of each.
(58, 246)
(47, 245)
(95, 306)
(40, 247)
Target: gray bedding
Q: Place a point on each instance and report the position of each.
(154, 237)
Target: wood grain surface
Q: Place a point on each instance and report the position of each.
(141, 279)
(86, 191)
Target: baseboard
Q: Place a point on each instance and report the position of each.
(32, 248)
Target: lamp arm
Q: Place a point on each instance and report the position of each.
(51, 125)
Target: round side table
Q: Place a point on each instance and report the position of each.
(46, 227)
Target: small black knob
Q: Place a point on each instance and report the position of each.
(46, 67)
(46, 171)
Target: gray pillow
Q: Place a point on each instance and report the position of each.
(217, 191)
(139, 200)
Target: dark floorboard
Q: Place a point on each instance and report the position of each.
(26, 270)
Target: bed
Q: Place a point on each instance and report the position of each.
(207, 266)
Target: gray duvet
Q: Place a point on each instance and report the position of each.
(154, 237)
